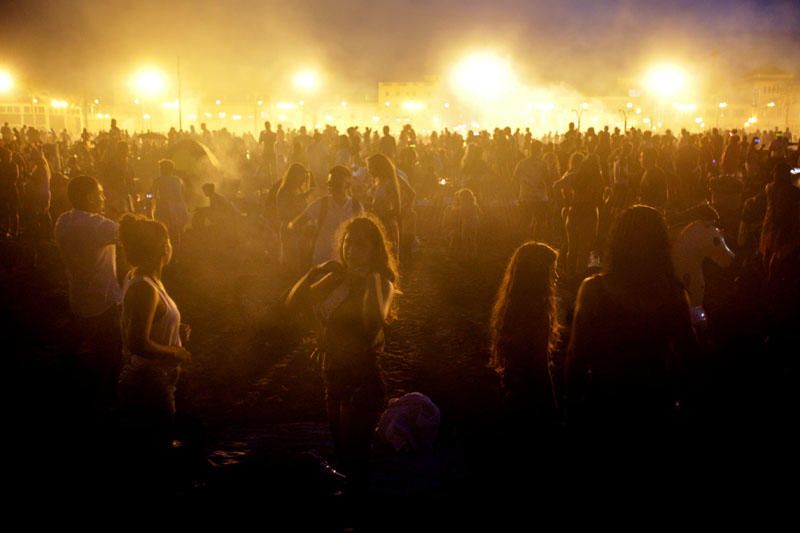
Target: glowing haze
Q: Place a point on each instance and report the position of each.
(538, 54)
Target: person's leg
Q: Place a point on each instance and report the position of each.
(571, 232)
(109, 352)
(526, 221)
(333, 409)
(358, 423)
(585, 234)
(360, 415)
(539, 221)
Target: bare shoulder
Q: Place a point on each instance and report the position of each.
(590, 288)
(139, 292)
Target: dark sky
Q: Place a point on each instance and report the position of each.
(238, 47)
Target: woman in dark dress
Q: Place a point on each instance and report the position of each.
(352, 299)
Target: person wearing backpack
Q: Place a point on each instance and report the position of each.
(324, 216)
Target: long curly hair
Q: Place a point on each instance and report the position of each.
(370, 228)
(524, 311)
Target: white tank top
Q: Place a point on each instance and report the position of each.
(166, 326)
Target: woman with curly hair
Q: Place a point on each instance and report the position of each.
(352, 298)
(524, 330)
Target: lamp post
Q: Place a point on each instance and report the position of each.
(578, 114)
(722, 105)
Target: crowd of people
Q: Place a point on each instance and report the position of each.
(592, 330)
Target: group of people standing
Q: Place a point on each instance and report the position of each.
(617, 354)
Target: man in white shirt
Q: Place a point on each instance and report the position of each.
(87, 242)
(327, 214)
(170, 204)
(531, 176)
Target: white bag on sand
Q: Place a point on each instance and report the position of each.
(410, 423)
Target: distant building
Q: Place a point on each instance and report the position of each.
(772, 96)
(56, 115)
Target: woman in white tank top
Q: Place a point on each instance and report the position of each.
(151, 327)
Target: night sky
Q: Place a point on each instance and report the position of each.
(238, 46)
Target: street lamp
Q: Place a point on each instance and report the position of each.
(665, 80)
(579, 112)
(306, 80)
(722, 105)
(6, 82)
(149, 82)
(482, 76)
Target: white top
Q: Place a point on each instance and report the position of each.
(532, 182)
(166, 326)
(87, 244)
(325, 245)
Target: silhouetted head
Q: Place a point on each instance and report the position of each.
(364, 248)
(166, 167)
(339, 180)
(145, 241)
(639, 247)
(86, 193)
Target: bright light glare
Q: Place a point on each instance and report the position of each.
(149, 82)
(684, 107)
(413, 106)
(6, 81)
(284, 105)
(482, 76)
(306, 80)
(723, 105)
(59, 104)
(771, 104)
(665, 80)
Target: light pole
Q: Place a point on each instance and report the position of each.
(722, 105)
(578, 114)
(625, 117)
(180, 98)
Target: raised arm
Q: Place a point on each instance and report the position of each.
(315, 285)
(377, 302)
